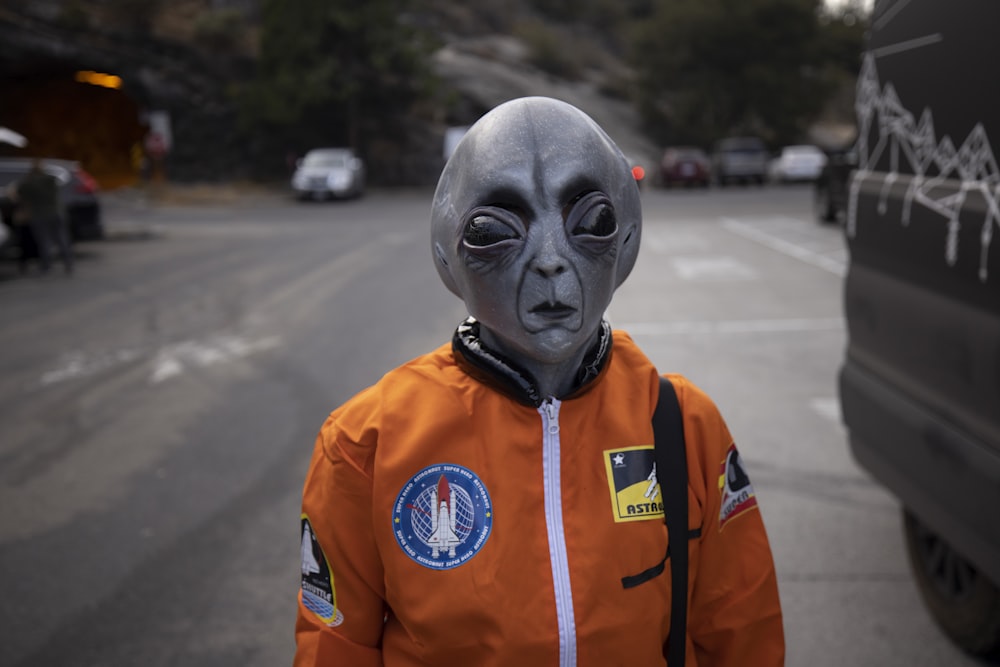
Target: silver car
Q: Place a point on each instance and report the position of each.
(326, 173)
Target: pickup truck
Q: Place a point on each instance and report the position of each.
(920, 382)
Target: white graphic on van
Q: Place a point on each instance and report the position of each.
(933, 161)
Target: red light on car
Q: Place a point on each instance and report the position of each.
(85, 183)
(638, 173)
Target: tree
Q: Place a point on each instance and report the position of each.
(333, 72)
(708, 68)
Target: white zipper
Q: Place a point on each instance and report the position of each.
(549, 410)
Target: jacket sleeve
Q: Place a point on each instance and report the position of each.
(735, 612)
(337, 508)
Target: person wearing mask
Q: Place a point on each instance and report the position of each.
(496, 501)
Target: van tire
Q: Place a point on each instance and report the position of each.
(961, 600)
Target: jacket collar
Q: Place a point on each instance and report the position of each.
(506, 376)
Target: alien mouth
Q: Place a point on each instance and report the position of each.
(553, 309)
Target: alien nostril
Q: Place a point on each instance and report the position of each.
(550, 271)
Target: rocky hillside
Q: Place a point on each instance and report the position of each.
(493, 69)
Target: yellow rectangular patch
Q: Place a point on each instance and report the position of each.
(635, 490)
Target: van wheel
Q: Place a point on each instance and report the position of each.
(963, 602)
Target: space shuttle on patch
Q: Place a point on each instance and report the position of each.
(444, 514)
(309, 564)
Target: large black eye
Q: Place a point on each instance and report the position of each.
(592, 215)
(485, 230)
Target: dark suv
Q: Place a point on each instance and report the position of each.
(920, 384)
(740, 159)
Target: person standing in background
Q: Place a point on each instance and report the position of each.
(38, 198)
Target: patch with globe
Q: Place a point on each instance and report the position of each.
(443, 516)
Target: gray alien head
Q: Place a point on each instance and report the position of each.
(536, 221)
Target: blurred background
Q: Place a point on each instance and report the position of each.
(216, 90)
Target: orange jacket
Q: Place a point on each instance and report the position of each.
(447, 524)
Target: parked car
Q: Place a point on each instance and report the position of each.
(796, 164)
(78, 192)
(740, 159)
(920, 382)
(831, 188)
(326, 173)
(685, 165)
(452, 136)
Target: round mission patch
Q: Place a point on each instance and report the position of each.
(442, 516)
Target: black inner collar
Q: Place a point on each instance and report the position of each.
(505, 375)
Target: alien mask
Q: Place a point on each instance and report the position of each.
(535, 222)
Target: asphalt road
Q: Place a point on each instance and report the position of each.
(158, 411)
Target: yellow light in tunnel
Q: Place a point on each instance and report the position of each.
(99, 79)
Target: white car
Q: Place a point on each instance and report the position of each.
(326, 173)
(797, 164)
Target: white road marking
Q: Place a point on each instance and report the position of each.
(732, 326)
(827, 407)
(712, 268)
(664, 241)
(164, 369)
(834, 266)
(174, 359)
(167, 362)
(77, 365)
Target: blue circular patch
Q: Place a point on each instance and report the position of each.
(443, 516)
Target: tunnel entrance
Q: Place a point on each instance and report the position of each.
(76, 114)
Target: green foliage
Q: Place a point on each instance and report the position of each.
(73, 15)
(219, 30)
(135, 15)
(843, 35)
(597, 13)
(547, 50)
(708, 68)
(333, 72)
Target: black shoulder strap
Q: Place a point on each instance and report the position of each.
(671, 472)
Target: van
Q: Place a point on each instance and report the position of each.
(920, 382)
